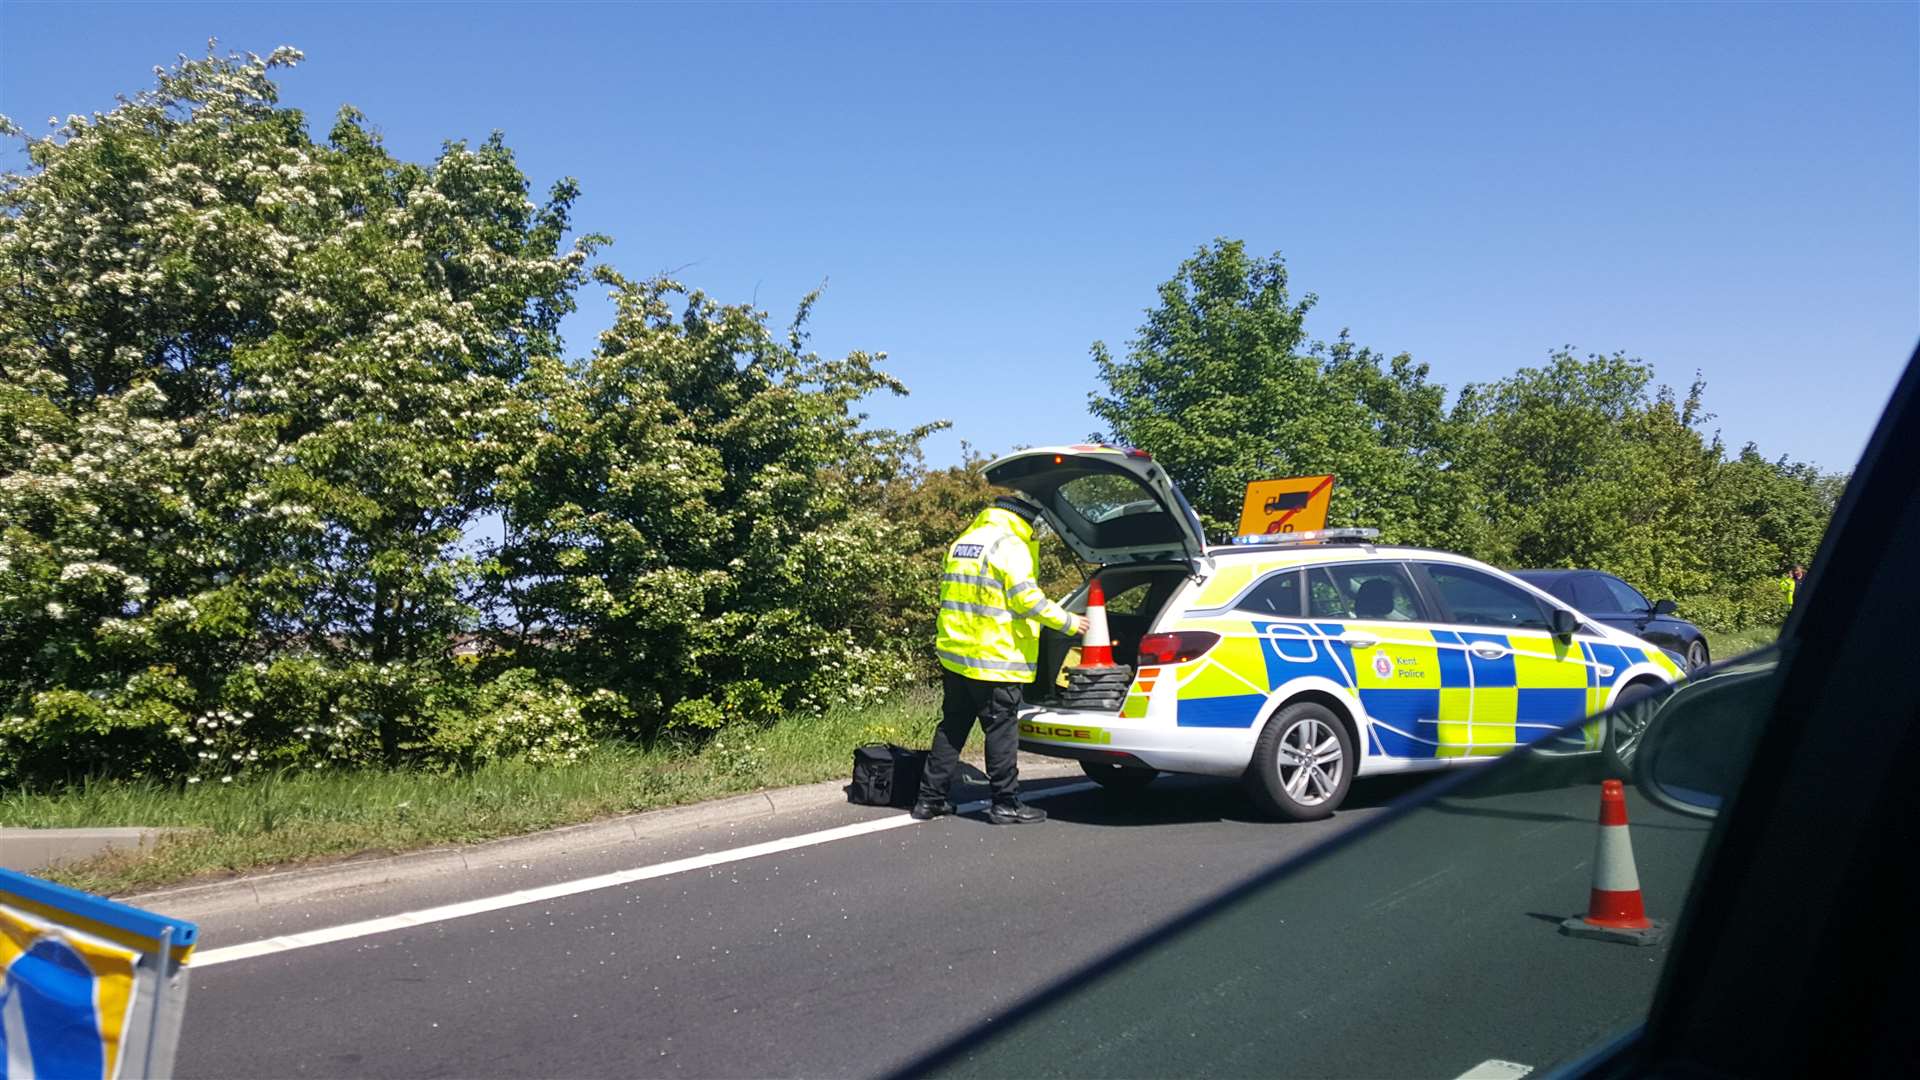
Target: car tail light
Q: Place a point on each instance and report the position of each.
(1176, 648)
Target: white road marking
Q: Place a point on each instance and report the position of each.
(365, 928)
(1495, 1069)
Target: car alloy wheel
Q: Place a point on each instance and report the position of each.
(1310, 761)
(1627, 723)
(1302, 763)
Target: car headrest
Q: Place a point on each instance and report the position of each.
(1374, 600)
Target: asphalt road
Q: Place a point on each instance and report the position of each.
(1422, 950)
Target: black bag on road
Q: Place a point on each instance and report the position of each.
(885, 775)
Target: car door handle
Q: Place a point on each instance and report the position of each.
(1359, 641)
(1487, 650)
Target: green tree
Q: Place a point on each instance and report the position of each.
(1580, 462)
(1760, 518)
(1566, 460)
(257, 387)
(696, 521)
(1222, 385)
(1584, 462)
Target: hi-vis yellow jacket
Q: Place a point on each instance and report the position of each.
(990, 606)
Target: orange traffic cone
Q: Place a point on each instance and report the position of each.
(1615, 910)
(1096, 648)
(1094, 682)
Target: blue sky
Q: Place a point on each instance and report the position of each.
(987, 190)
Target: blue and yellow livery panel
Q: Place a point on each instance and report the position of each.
(1422, 696)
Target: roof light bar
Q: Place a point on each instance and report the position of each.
(1311, 536)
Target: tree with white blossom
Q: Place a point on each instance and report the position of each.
(256, 389)
(253, 389)
(695, 520)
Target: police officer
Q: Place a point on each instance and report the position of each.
(991, 611)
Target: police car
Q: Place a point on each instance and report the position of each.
(1301, 662)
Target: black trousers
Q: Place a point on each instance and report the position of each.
(996, 706)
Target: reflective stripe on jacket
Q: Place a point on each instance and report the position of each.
(991, 609)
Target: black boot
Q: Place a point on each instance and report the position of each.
(927, 810)
(1015, 813)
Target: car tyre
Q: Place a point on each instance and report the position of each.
(1697, 657)
(1123, 778)
(1302, 764)
(1627, 726)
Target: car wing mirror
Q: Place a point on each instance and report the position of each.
(1665, 607)
(1562, 622)
(1697, 741)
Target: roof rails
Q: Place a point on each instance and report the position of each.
(1364, 537)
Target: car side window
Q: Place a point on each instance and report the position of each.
(1590, 595)
(1324, 600)
(1480, 599)
(1625, 595)
(1373, 591)
(1277, 594)
(1129, 600)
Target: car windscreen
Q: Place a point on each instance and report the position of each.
(1424, 943)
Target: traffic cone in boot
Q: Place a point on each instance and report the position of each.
(1096, 648)
(1096, 683)
(1615, 911)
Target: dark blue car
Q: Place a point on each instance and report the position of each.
(1604, 598)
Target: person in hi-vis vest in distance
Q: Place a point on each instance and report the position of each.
(1790, 583)
(991, 612)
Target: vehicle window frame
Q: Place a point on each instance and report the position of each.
(1122, 533)
(1298, 573)
(1088, 977)
(1162, 583)
(1608, 581)
(1592, 581)
(1143, 587)
(1063, 500)
(1735, 994)
(1424, 609)
(1239, 596)
(1452, 618)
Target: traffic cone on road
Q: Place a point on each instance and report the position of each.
(1615, 910)
(1096, 648)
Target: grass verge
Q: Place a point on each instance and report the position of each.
(1739, 643)
(271, 821)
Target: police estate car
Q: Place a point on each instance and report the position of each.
(1298, 663)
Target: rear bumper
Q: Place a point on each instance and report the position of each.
(1106, 737)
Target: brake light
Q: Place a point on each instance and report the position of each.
(1177, 648)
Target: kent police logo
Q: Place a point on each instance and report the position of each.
(1383, 665)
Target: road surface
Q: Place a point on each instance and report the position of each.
(1423, 950)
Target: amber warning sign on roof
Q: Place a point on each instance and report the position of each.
(1296, 504)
